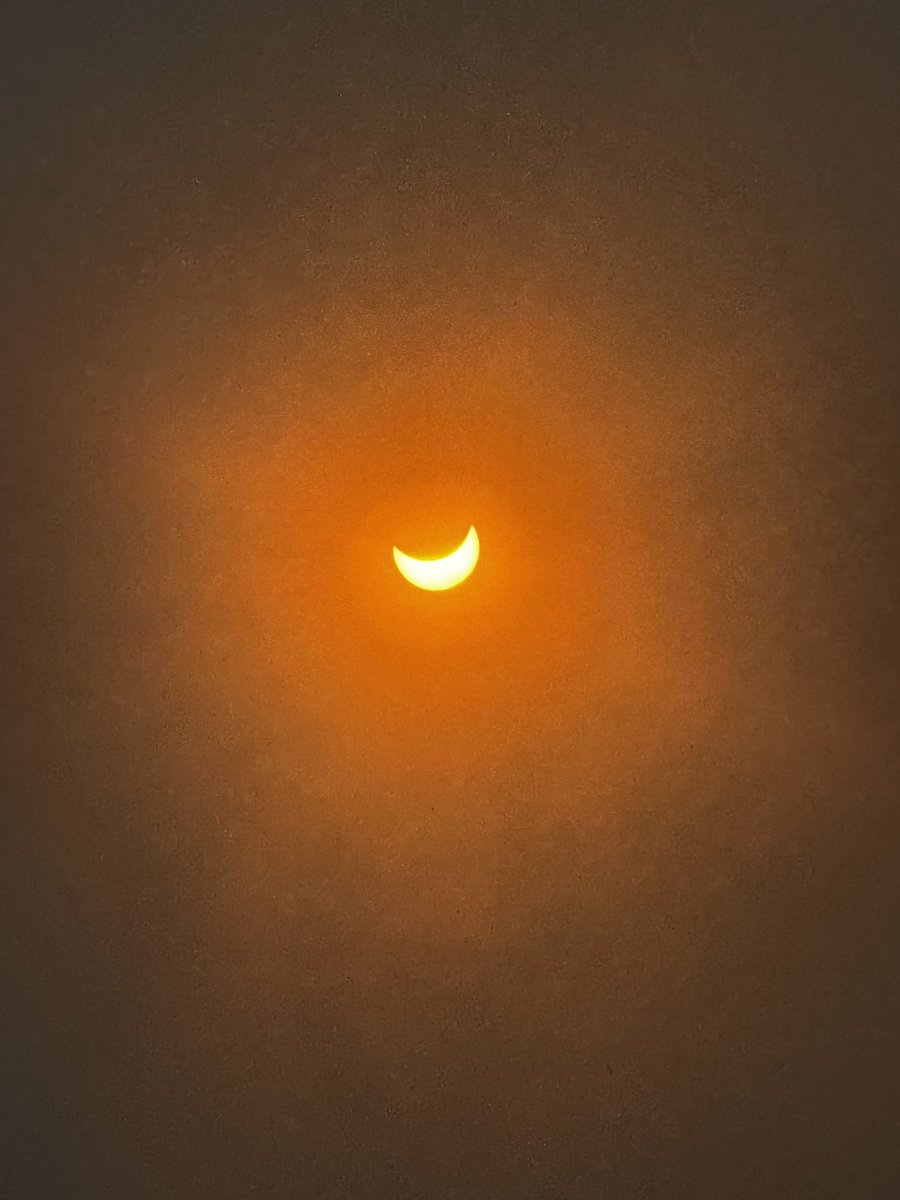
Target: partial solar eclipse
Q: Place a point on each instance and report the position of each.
(439, 574)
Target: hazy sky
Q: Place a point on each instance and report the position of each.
(579, 882)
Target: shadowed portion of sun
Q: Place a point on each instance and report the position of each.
(442, 573)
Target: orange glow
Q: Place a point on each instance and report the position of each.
(439, 574)
(571, 637)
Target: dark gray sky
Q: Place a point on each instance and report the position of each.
(584, 884)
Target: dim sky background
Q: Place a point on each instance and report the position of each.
(585, 885)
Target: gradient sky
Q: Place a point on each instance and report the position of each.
(579, 882)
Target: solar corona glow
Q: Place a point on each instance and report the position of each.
(439, 574)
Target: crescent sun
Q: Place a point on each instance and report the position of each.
(439, 574)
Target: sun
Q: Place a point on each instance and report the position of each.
(439, 574)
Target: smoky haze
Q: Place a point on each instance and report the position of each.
(580, 881)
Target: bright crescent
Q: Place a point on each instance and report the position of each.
(439, 574)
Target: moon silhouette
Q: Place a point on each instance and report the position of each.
(439, 574)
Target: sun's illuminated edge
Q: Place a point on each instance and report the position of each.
(439, 574)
